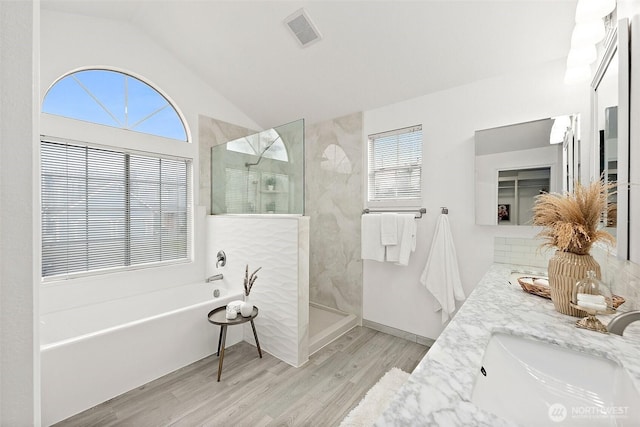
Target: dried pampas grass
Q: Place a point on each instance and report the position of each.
(571, 221)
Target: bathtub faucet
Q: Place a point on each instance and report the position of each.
(221, 259)
(215, 277)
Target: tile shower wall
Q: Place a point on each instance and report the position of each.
(333, 200)
(622, 276)
(280, 245)
(212, 132)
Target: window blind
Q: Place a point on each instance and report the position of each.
(106, 209)
(395, 164)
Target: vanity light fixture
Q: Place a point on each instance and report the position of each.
(582, 56)
(561, 125)
(579, 74)
(588, 10)
(589, 31)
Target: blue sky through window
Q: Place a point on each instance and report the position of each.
(114, 99)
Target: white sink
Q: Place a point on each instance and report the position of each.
(535, 383)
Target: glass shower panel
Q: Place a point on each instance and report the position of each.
(261, 173)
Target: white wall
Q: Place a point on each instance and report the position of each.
(70, 42)
(19, 360)
(628, 8)
(73, 41)
(393, 295)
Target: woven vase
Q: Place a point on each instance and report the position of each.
(565, 270)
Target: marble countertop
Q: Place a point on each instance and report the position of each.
(438, 392)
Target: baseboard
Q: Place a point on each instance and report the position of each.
(398, 333)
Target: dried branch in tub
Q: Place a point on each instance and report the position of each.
(249, 280)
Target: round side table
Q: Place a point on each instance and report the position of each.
(218, 317)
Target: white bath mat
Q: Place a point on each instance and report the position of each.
(376, 400)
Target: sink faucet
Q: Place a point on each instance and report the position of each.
(621, 321)
(214, 277)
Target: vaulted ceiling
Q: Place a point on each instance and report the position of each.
(373, 53)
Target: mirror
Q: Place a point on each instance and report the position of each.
(606, 114)
(515, 163)
(610, 119)
(517, 189)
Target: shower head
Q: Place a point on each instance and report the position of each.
(247, 164)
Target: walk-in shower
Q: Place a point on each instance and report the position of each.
(263, 173)
(327, 324)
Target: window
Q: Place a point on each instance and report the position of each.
(108, 202)
(267, 144)
(114, 99)
(395, 165)
(104, 208)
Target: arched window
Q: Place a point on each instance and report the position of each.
(267, 144)
(114, 99)
(111, 207)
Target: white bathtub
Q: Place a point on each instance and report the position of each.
(94, 353)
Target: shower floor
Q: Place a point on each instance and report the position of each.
(326, 324)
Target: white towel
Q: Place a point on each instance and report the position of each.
(407, 229)
(235, 305)
(389, 229)
(441, 275)
(230, 313)
(372, 247)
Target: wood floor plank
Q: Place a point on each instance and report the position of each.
(261, 392)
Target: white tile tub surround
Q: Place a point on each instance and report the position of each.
(280, 245)
(93, 353)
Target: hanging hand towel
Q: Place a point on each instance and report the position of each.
(441, 275)
(370, 241)
(407, 228)
(389, 229)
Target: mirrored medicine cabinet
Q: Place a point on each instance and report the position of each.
(516, 162)
(610, 132)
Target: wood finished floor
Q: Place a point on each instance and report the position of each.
(261, 392)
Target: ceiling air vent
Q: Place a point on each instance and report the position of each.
(300, 25)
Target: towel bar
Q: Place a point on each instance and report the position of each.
(419, 212)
